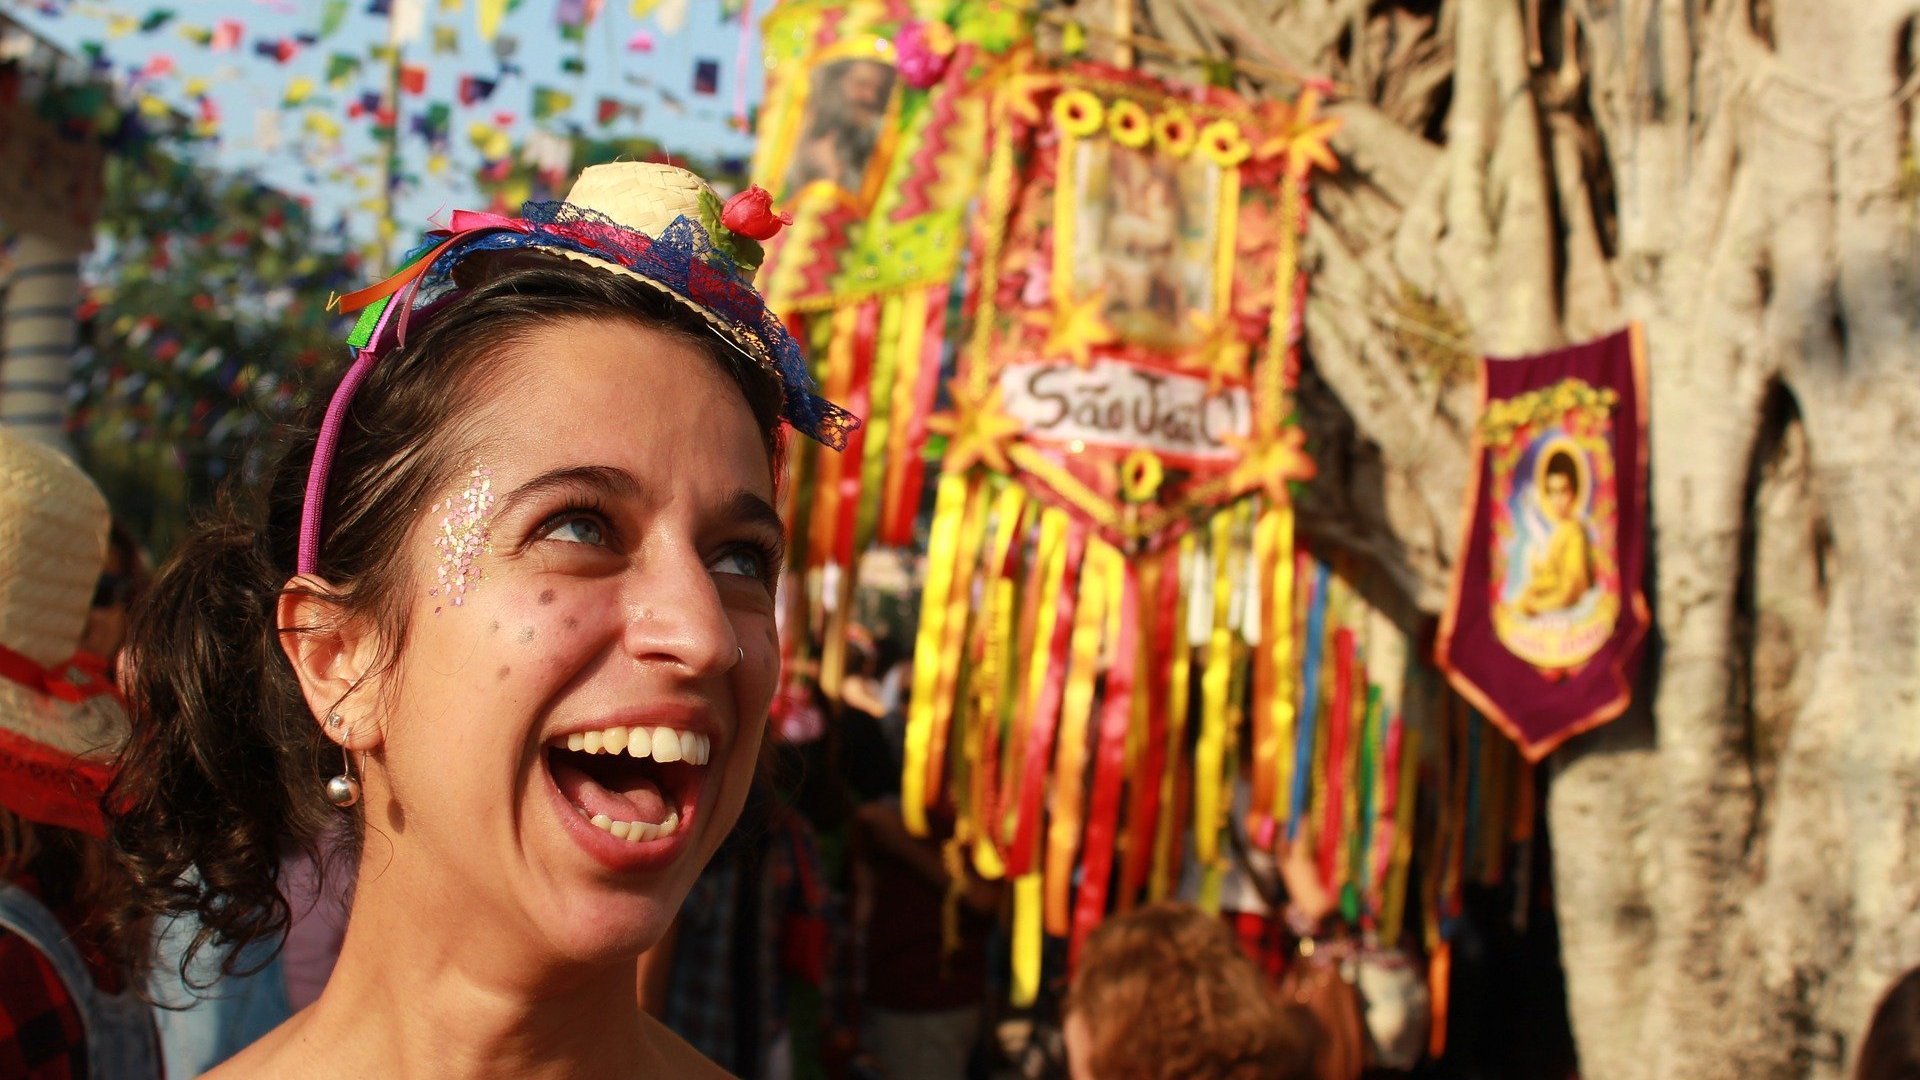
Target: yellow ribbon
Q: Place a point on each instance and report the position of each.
(1209, 759)
(1052, 555)
(1394, 903)
(1070, 760)
(991, 680)
(949, 508)
(973, 529)
(1278, 639)
(1027, 939)
(877, 459)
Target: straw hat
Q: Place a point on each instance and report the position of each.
(59, 717)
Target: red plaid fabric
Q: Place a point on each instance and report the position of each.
(41, 1036)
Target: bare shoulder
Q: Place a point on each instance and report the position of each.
(678, 1057)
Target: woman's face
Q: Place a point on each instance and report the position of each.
(601, 573)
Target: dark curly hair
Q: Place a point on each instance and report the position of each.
(1166, 994)
(225, 768)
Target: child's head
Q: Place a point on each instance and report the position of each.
(1164, 991)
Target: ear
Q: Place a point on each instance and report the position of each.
(332, 653)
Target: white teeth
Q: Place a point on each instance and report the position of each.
(638, 832)
(666, 744)
(659, 743)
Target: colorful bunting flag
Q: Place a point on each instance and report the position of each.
(298, 91)
(706, 77)
(226, 35)
(408, 19)
(413, 78)
(547, 101)
(332, 14)
(155, 19)
(446, 41)
(488, 13)
(340, 68)
(573, 65)
(474, 89)
(640, 42)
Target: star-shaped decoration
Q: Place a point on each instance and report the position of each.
(1269, 462)
(1074, 327)
(1300, 137)
(1218, 352)
(977, 431)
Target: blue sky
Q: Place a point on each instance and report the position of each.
(248, 88)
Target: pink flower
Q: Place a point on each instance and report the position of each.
(924, 50)
(750, 214)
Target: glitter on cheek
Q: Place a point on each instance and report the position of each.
(465, 534)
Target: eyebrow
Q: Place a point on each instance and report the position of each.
(606, 481)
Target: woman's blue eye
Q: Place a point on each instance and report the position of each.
(578, 529)
(742, 561)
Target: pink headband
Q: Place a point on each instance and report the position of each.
(308, 557)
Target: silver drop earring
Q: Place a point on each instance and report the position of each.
(343, 790)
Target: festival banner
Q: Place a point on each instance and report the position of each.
(1545, 627)
(873, 138)
(1113, 539)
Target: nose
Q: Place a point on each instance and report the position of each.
(675, 617)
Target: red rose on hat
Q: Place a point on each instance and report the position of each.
(750, 214)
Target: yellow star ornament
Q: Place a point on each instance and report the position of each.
(1301, 137)
(1269, 462)
(1219, 352)
(977, 431)
(1074, 327)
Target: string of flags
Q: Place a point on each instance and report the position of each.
(398, 84)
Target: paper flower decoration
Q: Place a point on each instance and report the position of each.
(750, 214)
(1141, 475)
(1078, 112)
(1221, 141)
(924, 49)
(1128, 124)
(1174, 130)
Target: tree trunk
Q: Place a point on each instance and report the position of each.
(1736, 867)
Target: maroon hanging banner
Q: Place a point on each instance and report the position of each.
(1544, 630)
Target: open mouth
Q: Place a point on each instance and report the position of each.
(637, 783)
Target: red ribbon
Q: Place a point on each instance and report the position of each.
(1144, 800)
(1039, 749)
(1110, 765)
(899, 531)
(78, 679)
(52, 787)
(866, 336)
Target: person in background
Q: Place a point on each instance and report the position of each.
(1890, 1050)
(923, 995)
(1164, 992)
(66, 1010)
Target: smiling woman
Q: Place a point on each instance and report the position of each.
(503, 628)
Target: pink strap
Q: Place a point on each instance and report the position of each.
(308, 557)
